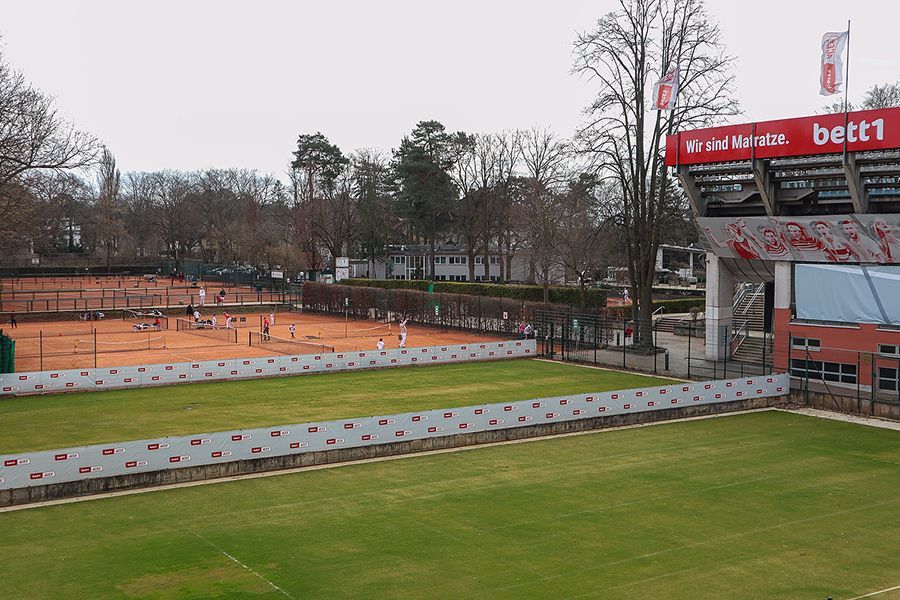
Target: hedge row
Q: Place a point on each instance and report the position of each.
(679, 305)
(532, 293)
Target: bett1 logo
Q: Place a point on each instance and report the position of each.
(854, 132)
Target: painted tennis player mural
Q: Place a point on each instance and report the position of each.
(835, 239)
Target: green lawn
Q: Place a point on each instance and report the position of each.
(64, 420)
(764, 505)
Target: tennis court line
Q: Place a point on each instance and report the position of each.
(870, 594)
(232, 558)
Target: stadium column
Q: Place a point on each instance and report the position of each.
(719, 299)
(781, 321)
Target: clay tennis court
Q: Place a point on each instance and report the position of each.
(84, 293)
(70, 344)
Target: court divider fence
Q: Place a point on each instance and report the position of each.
(42, 382)
(115, 460)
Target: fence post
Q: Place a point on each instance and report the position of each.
(596, 341)
(95, 348)
(690, 335)
(624, 339)
(41, 335)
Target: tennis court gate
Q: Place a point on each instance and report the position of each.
(574, 336)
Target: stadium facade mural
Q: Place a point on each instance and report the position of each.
(853, 238)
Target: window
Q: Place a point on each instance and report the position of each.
(456, 277)
(440, 260)
(823, 371)
(399, 276)
(800, 343)
(458, 260)
(399, 260)
(495, 260)
(889, 349)
(887, 379)
(479, 260)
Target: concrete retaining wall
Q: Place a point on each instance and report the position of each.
(36, 476)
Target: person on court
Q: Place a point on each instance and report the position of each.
(403, 332)
(202, 295)
(293, 329)
(157, 324)
(12, 320)
(215, 322)
(266, 329)
(380, 344)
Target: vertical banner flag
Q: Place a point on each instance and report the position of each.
(665, 92)
(831, 77)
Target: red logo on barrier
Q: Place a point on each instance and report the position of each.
(109, 451)
(258, 449)
(615, 396)
(14, 462)
(551, 415)
(386, 421)
(65, 456)
(651, 403)
(240, 437)
(175, 459)
(602, 409)
(435, 429)
(697, 398)
(449, 415)
(157, 446)
(627, 406)
(564, 401)
(315, 429)
(639, 394)
(369, 436)
(524, 418)
(299, 445)
(279, 432)
(674, 400)
(495, 421)
(200, 441)
(220, 453)
(54, 375)
(578, 411)
(538, 404)
(481, 411)
(465, 425)
(91, 469)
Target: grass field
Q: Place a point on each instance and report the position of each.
(64, 420)
(763, 505)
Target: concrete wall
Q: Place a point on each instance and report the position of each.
(69, 380)
(35, 476)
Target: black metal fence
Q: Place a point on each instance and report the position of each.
(499, 316)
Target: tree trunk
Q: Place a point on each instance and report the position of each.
(471, 258)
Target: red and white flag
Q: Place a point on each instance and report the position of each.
(831, 77)
(665, 92)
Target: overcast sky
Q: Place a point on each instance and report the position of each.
(191, 84)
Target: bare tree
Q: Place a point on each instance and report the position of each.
(107, 210)
(545, 158)
(33, 137)
(626, 53)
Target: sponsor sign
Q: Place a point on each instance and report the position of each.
(821, 134)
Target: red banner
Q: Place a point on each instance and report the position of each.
(803, 136)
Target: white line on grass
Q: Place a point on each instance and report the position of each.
(869, 595)
(611, 369)
(232, 558)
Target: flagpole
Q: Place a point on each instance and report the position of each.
(846, 92)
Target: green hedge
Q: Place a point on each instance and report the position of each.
(679, 305)
(533, 293)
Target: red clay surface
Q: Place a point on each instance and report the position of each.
(68, 344)
(54, 294)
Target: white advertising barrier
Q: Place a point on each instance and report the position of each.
(107, 460)
(42, 382)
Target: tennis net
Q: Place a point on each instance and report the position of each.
(149, 342)
(216, 332)
(286, 346)
(352, 331)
